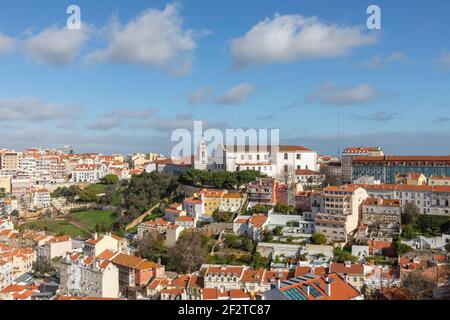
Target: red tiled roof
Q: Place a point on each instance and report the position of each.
(352, 269)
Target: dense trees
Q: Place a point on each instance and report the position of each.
(420, 287)
(343, 255)
(42, 267)
(152, 247)
(110, 179)
(220, 216)
(69, 192)
(260, 208)
(145, 191)
(432, 224)
(219, 180)
(410, 213)
(402, 248)
(239, 243)
(189, 253)
(284, 208)
(318, 238)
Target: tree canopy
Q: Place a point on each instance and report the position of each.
(218, 180)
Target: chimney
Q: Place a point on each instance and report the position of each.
(328, 288)
(345, 277)
(308, 289)
(222, 289)
(278, 283)
(95, 236)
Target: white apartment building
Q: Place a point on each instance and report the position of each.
(28, 166)
(90, 173)
(56, 247)
(339, 215)
(434, 200)
(223, 277)
(41, 199)
(6, 273)
(89, 277)
(277, 162)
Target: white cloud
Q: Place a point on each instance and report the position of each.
(381, 116)
(56, 46)
(33, 110)
(237, 94)
(444, 60)
(199, 96)
(330, 93)
(114, 119)
(380, 61)
(7, 44)
(155, 38)
(287, 38)
(180, 121)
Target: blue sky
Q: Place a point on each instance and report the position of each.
(139, 69)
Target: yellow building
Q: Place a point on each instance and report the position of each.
(212, 200)
(5, 183)
(413, 179)
(232, 202)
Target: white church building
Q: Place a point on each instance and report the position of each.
(273, 161)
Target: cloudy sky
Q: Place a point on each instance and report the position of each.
(139, 69)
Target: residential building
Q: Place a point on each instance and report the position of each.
(194, 207)
(108, 241)
(251, 227)
(386, 168)
(333, 172)
(352, 274)
(339, 215)
(55, 247)
(214, 294)
(437, 181)
(414, 178)
(313, 287)
(41, 198)
(350, 154)
(90, 173)
(21, 258)
(134, 273)
(21, 185)
(223, 278)
(262, 192)
(212, 200)
(5, 184)
(293, 225)
(274, 161)
(309, 179)
(9, 161)
(6, 273)
(232, 202)
(86, 276)
(18, 292)
(382, 216)
(434, 200)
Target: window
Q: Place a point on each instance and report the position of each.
(299, 156)
(286, 168)
(286, 156)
